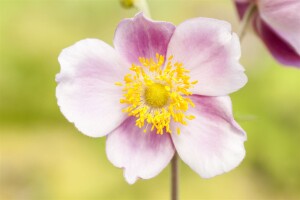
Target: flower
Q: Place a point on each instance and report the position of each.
(161, 89)
(277, 23)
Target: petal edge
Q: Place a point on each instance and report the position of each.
(86, 89)
(212, 143)
(142, 37)
(141, 155)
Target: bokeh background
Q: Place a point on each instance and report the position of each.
(44, 157)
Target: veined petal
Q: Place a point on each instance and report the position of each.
(284, 18)
(86, 92)
(142, 37)
(282, 51)
(209, 49)
(142, 155)
(212, 143)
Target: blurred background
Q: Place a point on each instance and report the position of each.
(43, 156)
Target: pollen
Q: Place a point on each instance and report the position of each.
(156, 93)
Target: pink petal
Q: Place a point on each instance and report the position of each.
(212, 143)
(282, 51)
(86, 92)
(284, 18)
(142, 37)
(209, 49)
(242, 6)
(142, 155)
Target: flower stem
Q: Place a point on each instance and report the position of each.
(142, 5)
(246, 19)
(174, 177)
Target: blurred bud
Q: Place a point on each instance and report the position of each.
(127, 3)
(277, 23)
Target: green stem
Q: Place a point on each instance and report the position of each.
(142, 5)
(246, 19)
(174, 177)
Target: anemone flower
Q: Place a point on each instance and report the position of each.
(161, 89)
(277, 23)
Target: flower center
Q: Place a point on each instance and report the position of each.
(156, 93)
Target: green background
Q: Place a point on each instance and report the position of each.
(44, 157)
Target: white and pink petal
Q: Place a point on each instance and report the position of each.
(86, 93)
(212, 143)
(209, 49)
(141, 155)
(142, 37)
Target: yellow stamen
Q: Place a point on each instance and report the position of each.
(156, 95)
(157, 92)
(118, 84)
